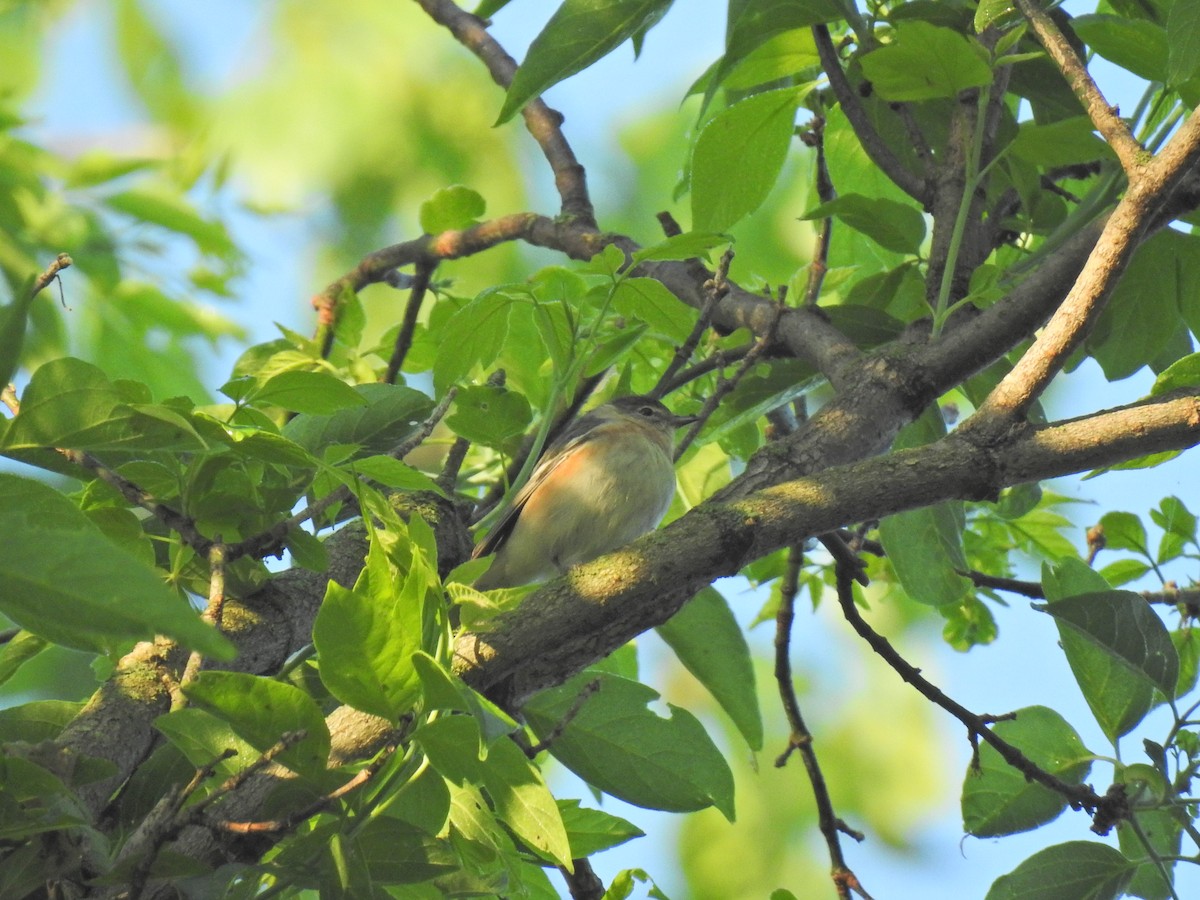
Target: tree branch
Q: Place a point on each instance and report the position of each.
(875, 146)
(1105, 117)
(544, 123)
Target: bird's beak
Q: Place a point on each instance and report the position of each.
(680, 421)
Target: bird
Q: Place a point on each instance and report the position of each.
(608, 479)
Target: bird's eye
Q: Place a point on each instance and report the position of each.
(647, 411)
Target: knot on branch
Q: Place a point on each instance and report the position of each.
(1112, 809)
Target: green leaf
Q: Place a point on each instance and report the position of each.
(1160, 826)
(41, 720)
(1117, 701)
(689, 245)
(316, 393)
(738, 156)
(66, 582)
(262, 710)
(1134, 44)
(72, 404)
(997, 799)
(203, 737)
(591, 830)
(489, 415)
(1183, 373)
(394, 852)
(926, 62)
(896, 226)
(1123, 625)
(393, 473)
(1142, 315)
(18, 651)
(450, 209)
(1183, 43)
(619, 746)
(366, 638)
(925, 546)
(708, 641)
(751, 23)
(649, 301)
(13, 320)
(579, 33)
(995, 12)
(474, 335)
(1076, 870)
(390, 415)
(523, 802)
(1124, 531)
(1063, 143)
(163, 206)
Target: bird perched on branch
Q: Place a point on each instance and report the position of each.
(607, 480)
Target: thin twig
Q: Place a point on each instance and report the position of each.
(404, 338)
(1104, 116)
(801, 739)
(291, 820)
(874, 144)
(825, 193)
(1079, 796)
(44, 280)
(726, 386)
(560, 726)
(715, 289)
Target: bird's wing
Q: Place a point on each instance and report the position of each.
(551, 459)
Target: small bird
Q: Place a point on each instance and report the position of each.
(607, 480)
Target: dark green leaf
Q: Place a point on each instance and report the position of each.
(1142, 314)
(710, 644)
(738, 156)
(66, 582)
(925, 62)
(1076, 870)
(648, 300)
(591, 830)
(998, 799)
(1065, 142)
(1183, 43)
(1122, 624)
(391, 414)
(489, 415)
(896, 226)
(1134, 44)
(316, 393)
(473, 336)
(579, 33)
(620, 747)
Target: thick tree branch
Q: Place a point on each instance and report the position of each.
(1104, 117)
(598, 607)
(1083, 304)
